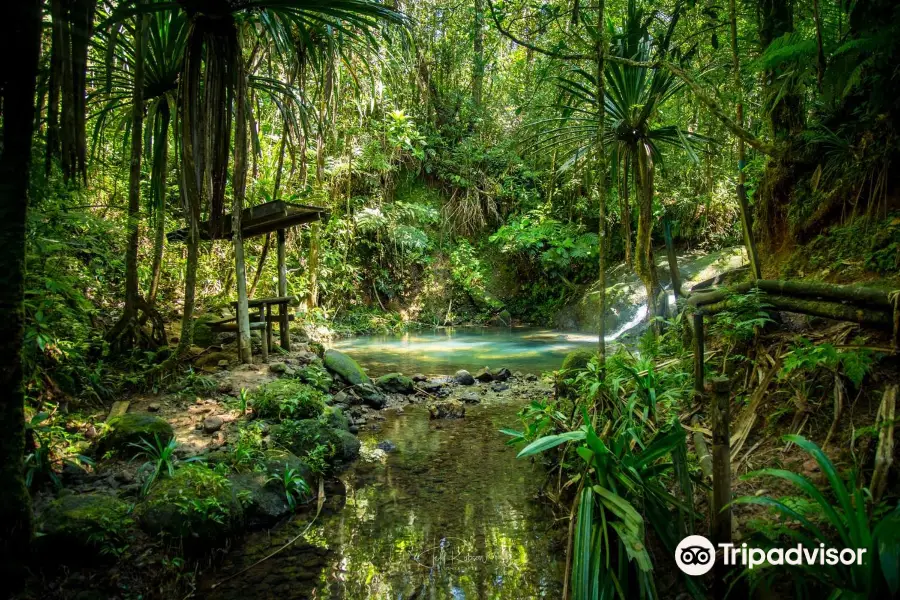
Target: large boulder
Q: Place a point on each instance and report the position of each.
(305, 436)
(87, 524)
(341, 364)
(447, 409)
(395, 383)
(133, 428)
(195, 504)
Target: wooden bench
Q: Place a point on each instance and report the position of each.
(264, 318)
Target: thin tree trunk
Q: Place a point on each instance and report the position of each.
(820, 50)
(478, 59)
(21, 39)
(312, 299)
(56, 73)
(601, 180)
(746, 216)
(645, 266)
(82, 29)
(158, 182)
(275, 190)
(123, 336)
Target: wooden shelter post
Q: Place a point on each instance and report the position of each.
(283, 326)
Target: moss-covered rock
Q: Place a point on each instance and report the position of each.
(304, 437)
(396, 383)
(88, 523)
(370, 395)
(204, 336)
(133, 428)
(341, 364)
(336, 418)
(447, 409)
(277, 460)
(577, 359)
(195, 503)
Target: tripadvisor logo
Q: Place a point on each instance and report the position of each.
(696, 555)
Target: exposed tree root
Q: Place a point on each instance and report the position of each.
(129, 332)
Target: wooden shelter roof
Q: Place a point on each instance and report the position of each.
(260, 219)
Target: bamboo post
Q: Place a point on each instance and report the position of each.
(283, 329)
(720, 517)
(698, 352)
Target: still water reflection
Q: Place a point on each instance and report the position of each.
(447, 513)
(444, 351)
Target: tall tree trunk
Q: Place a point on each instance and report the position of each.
(21, 25)
(626, 215)
(82, 29)
(240, 184)
(743, 204)
(275, 191)
(158, 184)
(56, 74)
(123, 336)
(645, 266)
(601, 178)
(820, 50)
(478, 59)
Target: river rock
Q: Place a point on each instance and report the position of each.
(213, 424)
(133, 428)
(75, 525)
(339, 363)
(470, 398)
(371, 396)
(531, 377)
(499, 386)
(433, 387)
(419, 378)
(463, 377)
(386, 445)
(304, 436)
(395, 383)
(277, 460)
(263, 502)
(484, 376)
(502, 375)
(447, 409)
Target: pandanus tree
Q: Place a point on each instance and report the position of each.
(213, 90)
(633, 98)
(143, 61)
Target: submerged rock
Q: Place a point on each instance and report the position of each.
(470, 398)
(133, 428)
(447, 409)
(463, 377)
(395, 383)
(499, 387)
(419, 378)
(74, 525)
(502, 375)
(341, 364)
(484, 376)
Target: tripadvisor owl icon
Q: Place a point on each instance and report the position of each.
(695, 555)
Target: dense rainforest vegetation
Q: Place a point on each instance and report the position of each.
(200, 198)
